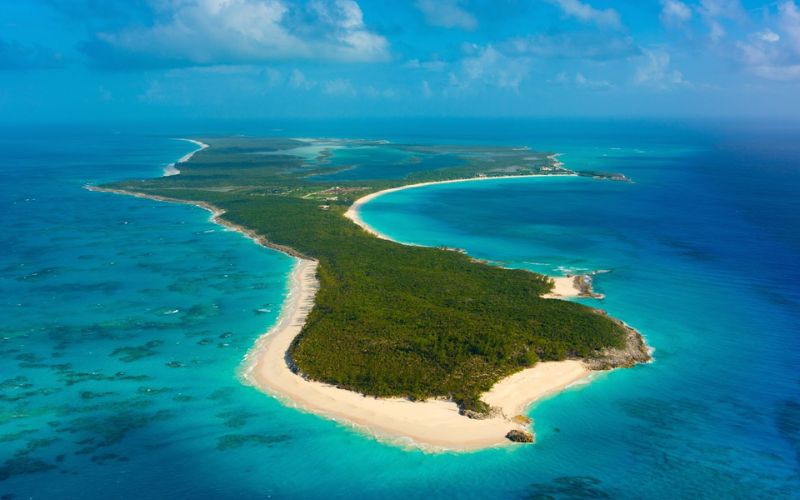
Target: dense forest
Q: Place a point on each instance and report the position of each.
(390, 319)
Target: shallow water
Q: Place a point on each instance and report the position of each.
(124, 322)
(691, 262)
(381, 162)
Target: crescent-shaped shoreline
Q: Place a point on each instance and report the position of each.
(434, 425)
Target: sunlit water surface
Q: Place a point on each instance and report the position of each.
(124, 321)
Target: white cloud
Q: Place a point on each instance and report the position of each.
(378, 93)
(447, 14)
(722, 8)
(675, 13)
(205, 32)
(298, 80)
(714, 11)
(595, 46)
(339, 87)
(272, 77)
(775, 55)
(355, 42)
(608, 18)
(768, 36)
(432, 65)
(171, 92)
(789, 23)
(656, 71)
(489, 67)
(785, 73)
(580, 81)
(715, 30)
(426, 89)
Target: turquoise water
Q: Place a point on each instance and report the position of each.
(382, 162)
(124, 322)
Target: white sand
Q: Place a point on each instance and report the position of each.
(430, 424)
(353, 212)
(563, 287)
(515, 393)
(434, 425)
(172, 168)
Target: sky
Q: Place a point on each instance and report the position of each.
(70, 60)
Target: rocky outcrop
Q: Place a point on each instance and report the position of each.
(518, 436)
(490, 412)
(522, 420)
(634, 351)
(583, 283)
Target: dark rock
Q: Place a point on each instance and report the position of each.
(518, 436)
(634, 352)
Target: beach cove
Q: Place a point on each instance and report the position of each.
(713, 414)
(430, 425)
(435, 424)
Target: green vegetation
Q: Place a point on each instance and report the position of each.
(389, 319)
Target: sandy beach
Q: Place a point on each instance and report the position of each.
(172, 168)
(435, 425)
(432, 425)
(353, 212)
(563, 287)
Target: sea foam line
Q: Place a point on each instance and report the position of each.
(172, 168)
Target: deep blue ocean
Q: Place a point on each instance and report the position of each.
(123, 321)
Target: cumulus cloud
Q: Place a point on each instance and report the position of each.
(426, 89)
(775, 55)
(447, 14)
(489, 67)
(339, 87)
(298, 80)
(206, 32)
(715, 11)
(16, 56)
(675, 13)
(656, 71)
(790, 24)
(379, 93)
(607, 18)
(595, 46)
(580, 81)
(432, 65)
(768, 36)
(722, 8)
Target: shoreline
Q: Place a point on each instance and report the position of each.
(353, 214)
(216, 217)
(172, 168)
(564, 286)
(433, 425)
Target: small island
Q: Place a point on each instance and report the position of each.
(421, 346)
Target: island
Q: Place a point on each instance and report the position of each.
(424, 347)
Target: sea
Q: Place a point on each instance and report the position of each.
(124, 321)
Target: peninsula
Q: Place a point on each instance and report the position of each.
(420, 346)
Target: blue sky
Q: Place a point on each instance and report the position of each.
(144, 59)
